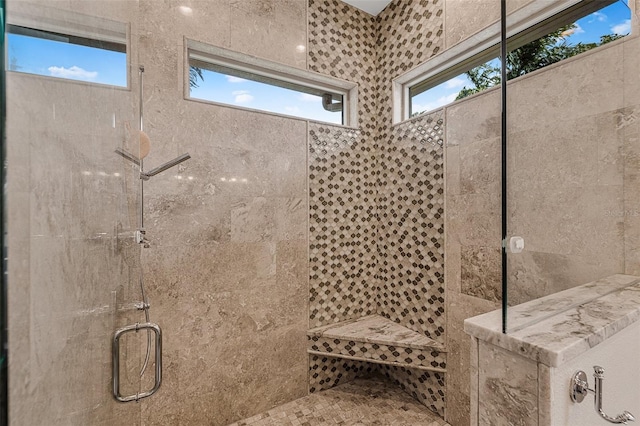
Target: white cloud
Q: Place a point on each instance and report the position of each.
(455, 82)
(73, 72)
(622, 28)
(577, 30)
(598, 16)
(242, 96)
(232, 79)
(310, 98)
(441, 101)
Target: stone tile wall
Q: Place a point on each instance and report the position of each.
(227, 270)
(428, 387)
(335, 18)
(326, 372)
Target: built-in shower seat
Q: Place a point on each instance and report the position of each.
(376, 339)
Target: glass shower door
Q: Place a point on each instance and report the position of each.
(572, 211)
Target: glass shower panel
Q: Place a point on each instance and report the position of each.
(572, 145)
(72, 264)
(4, 389)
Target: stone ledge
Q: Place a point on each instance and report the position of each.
(557, 328)
(378, 340)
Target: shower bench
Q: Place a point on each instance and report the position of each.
(376, 339)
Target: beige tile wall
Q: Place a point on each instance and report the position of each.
(226, 273)
(227, 269)
(463, 17)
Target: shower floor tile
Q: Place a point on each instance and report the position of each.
(362, 402)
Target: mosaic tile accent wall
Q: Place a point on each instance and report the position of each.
(409, 33)
(341, 169)
(342, 43)
(410, 176)
(428, 358)
(341, 225)
(326, 372)
(425, 386)
(376, 195)
(411, 226)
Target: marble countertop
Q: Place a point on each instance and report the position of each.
(555, 329)
(376, 329)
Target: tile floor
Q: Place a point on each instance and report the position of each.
(363, 402)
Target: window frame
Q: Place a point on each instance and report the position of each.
(289, 76)
(525, 25)
(85, 28)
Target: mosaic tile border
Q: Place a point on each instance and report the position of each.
(326, 372)
(401, 356)
(409, 33)
(425, 386)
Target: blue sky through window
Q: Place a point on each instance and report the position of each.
(613, 19)
(66, 60)
(241, 92)
(40, 56)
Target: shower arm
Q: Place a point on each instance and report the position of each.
(146, 175)
(128, 156)
(169, 164)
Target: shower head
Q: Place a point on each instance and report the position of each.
(165, 166)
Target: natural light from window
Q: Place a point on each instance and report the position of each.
(243, 92)
(56, 55)
(608, 24)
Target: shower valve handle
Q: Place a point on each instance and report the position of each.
(141, 239)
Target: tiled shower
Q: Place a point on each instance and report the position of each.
(274, 235)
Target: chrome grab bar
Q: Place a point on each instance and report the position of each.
(580, 388)
(116, 361)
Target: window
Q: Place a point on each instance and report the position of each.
(229, 78)
(566, 33)
(73, 47)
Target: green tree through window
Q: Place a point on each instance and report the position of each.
(544, 51)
